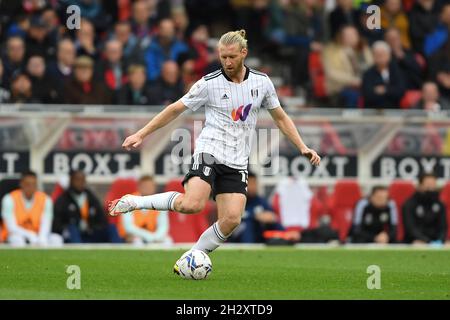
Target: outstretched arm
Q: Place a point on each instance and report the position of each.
(160, 120)
(287, 126)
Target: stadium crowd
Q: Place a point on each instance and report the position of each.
(150, 52)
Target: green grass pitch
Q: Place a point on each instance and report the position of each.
(273, 273)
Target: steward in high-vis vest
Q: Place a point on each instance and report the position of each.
(27, 215)
(145, 226)
(79, 215)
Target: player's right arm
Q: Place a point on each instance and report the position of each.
(169, 113)
(194, 99)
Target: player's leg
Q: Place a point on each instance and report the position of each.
(197, 185)
(230, 207)
(194, 199)
(230, 191)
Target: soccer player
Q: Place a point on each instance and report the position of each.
(232, 97)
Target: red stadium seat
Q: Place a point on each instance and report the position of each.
(410, 98)
(119, 188)
(445, 198)
(186, 227)
(400, 191)
(342, 202)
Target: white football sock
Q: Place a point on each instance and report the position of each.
(159, 201)
(210, 239)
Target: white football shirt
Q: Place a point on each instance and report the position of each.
(231, 111)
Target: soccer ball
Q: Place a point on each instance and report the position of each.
(193, 264)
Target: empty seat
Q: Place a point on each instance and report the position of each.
(342, 202)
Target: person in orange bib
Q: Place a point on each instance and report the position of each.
(145, 226)
(28, 214)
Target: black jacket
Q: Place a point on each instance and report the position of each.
(411, 71)
(424, 218)
(66, 211)
(395, 88)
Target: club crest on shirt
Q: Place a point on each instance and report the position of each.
(254, 93)
(206, 171)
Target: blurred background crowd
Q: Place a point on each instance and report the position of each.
(149, 52)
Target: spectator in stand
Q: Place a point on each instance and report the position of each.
(203, 56)
(60, 71)
(344, 61)
(141, 22)
(81, 89)
(79, 215)
(424, 214)
(375, 218)
(145, 226)
(258, 216)
(85, 40)
(4, 92)
(168, 88)
(165, 46)
(405, 59)
(343, 14)
(27, 215)
(14, 59)
(22, 89)
(122, 33)
(19, 27)
(112, 70)
(383, 84)
(50, 18)
(42, 85)
(38, 39)
(431, 100)
(437, 39)
(423, 19)
(392, 16)
(136, 91)
(180, 21)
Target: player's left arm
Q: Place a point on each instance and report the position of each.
(287, 126)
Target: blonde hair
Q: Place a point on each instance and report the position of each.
(233, 37)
